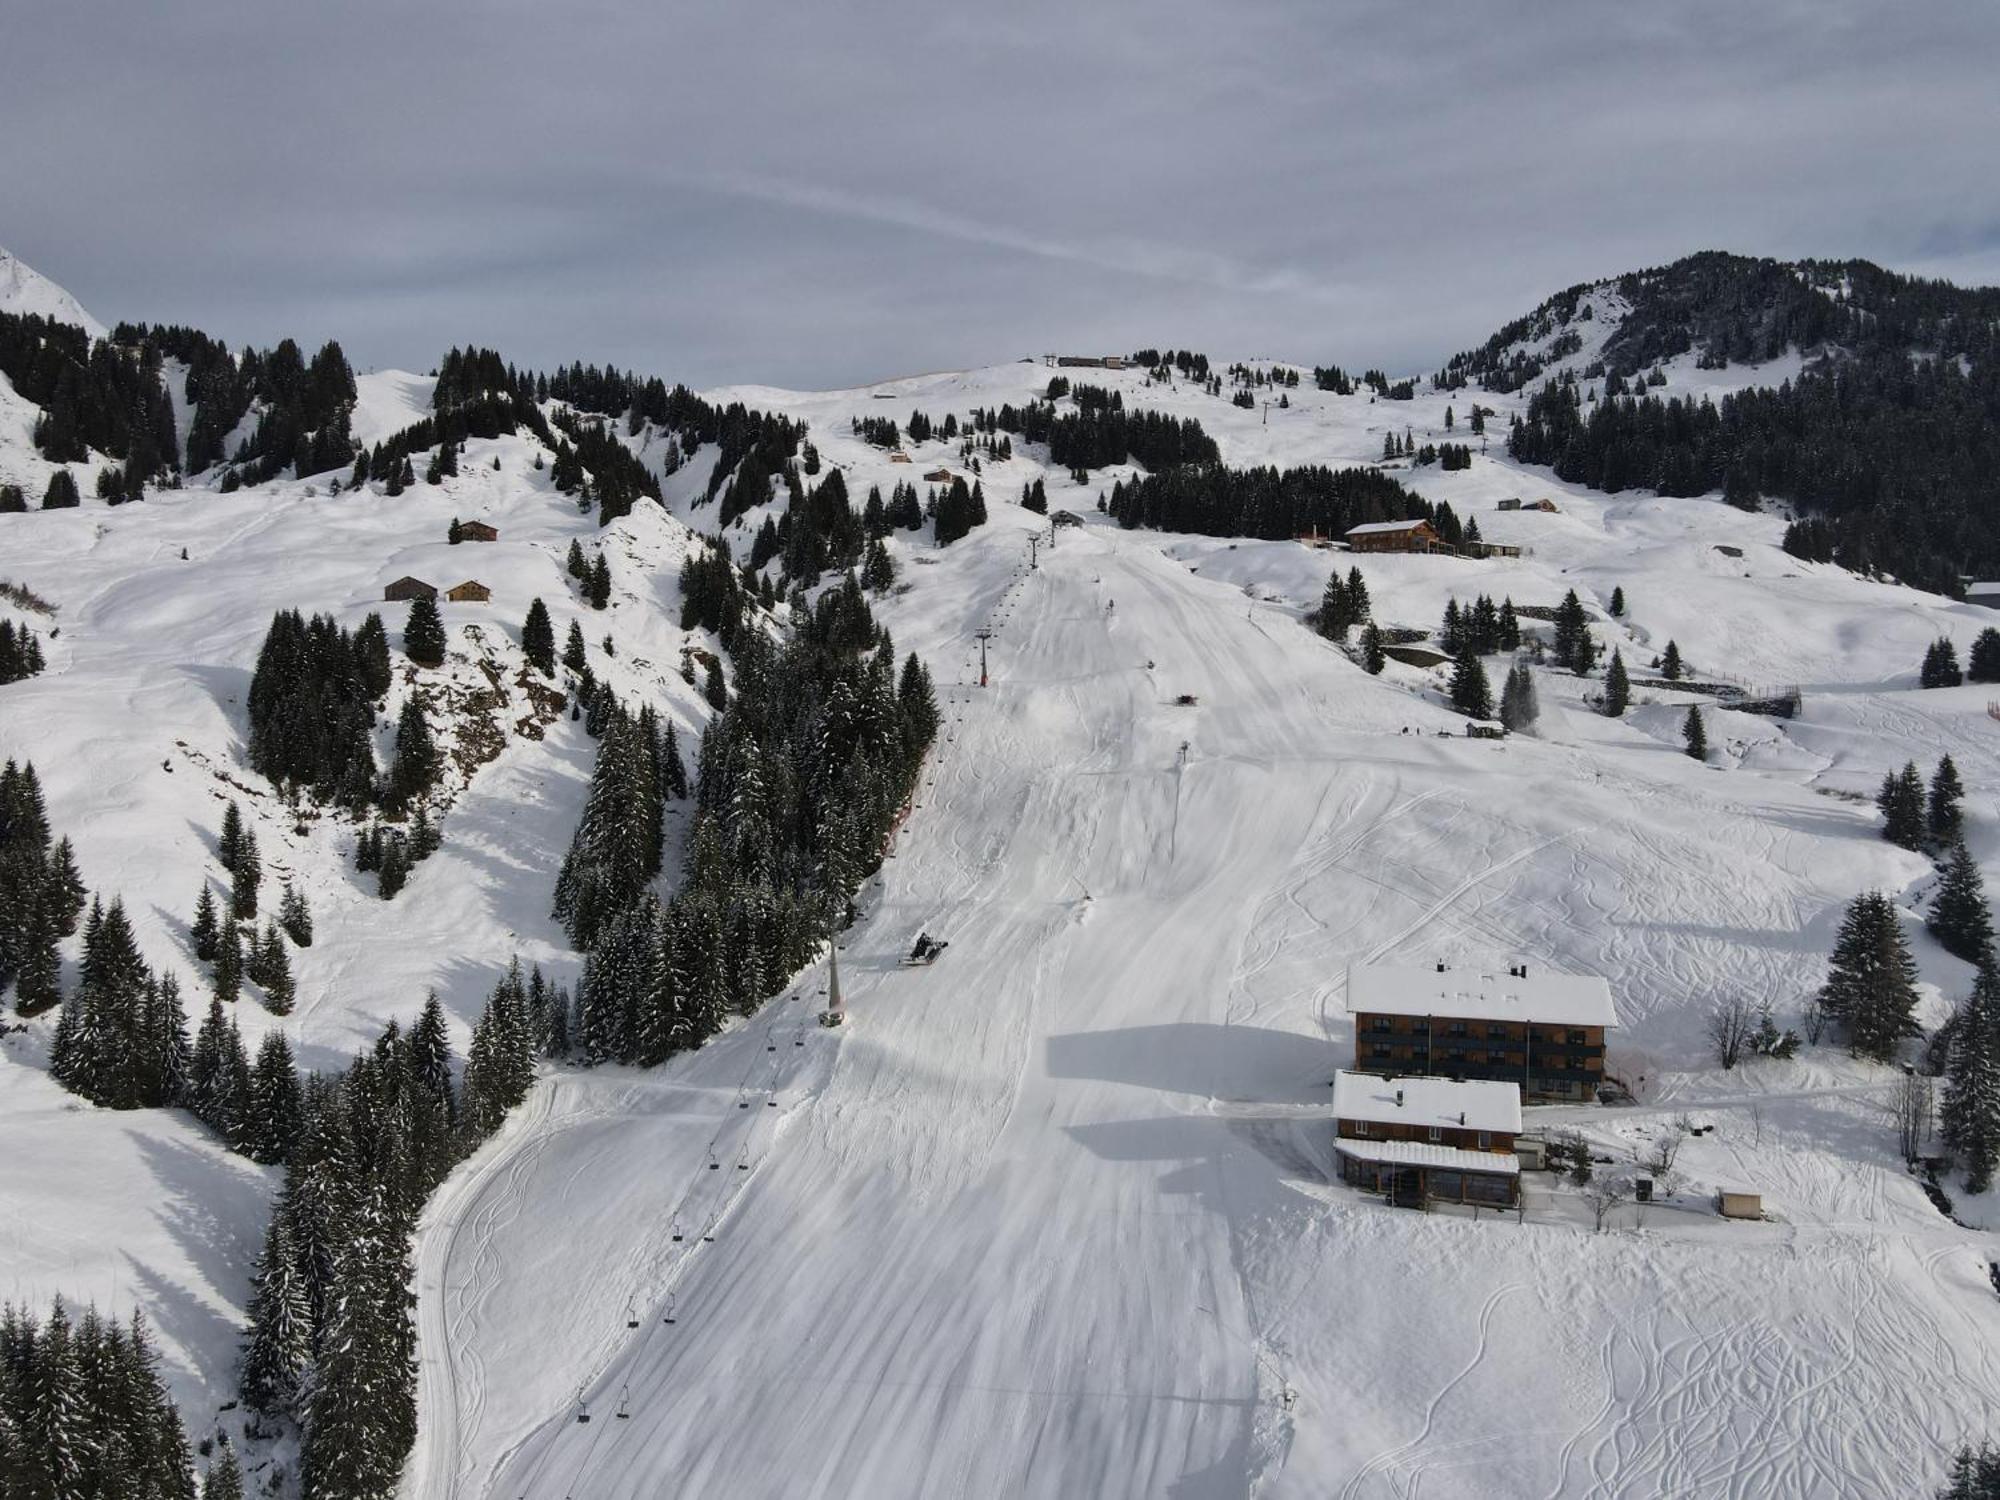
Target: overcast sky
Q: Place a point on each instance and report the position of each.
(834, 193)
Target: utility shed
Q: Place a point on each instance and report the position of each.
(409, 588)
(470, 592)
(478, 531)
(1733, 1203)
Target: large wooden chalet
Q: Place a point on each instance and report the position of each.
(1420, 1140)
(1395, 536)
(1539, 1030)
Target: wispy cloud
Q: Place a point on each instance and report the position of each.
(1129, 255)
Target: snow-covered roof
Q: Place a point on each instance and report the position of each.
(1423, 1154)
(1371, 527)
(1476, 1104)
(1480, 995)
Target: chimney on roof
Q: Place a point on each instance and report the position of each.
(1461, 1117)
(1524, 971)
(1440, 966)
(1399, 1098)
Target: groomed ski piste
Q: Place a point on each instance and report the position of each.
(1057, 1215)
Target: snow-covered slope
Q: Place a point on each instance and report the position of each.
(1054, 1217)
(23, 289)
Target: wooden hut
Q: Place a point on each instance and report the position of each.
(407, 587)
(469, 592)
(1395, 536)
(478, 531)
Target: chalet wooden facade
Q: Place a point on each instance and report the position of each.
(1543, 1032)
(939, 476)
(409, 588)
(469, 592)
(1395, 536)
(477, 531)
(1422, 1140)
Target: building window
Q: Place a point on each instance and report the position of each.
(1381, 1053)
(1578, 1039)
(1485, 1140)
(1496, 1033)
(1361, 1130)
(1437, 1134)
(1380, 1023)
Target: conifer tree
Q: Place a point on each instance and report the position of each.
(246, 874)
(423, 633)
(224, 1480)
(574, 563)
(1901, 800)
(1373, 658)
(1693, 736)
(1870, 989)
(275, 972)
(1471, 693)
(1617, 688)
(202, 931)
(360, 1411)
(1970, 1115)
(1944, 814)
(231, 838)
(277, 1352)
(575, 656)
(415, 769)
(1519, 708)
(371, 655)
(1670, 663)
(229, 963)
(295, 916)
(275, 1101)
(714, 689)
(1618, 603)
(1940, 667)
(1959, 917)
(599, 588)
(538, 639)
(1984, 663)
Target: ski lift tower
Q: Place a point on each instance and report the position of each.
(835, 1013)
(982, 635)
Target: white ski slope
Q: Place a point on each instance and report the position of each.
(1054, 1216)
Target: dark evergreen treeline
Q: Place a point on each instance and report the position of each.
(20, 652)
(332, 1338)
(797, 786)
(312, 706)
(592, 464)
(100, 395)
(84, 1414)
(1102, 433)
(306, 404)
(958, 510)
(1216, 501)
(1890, 440)
(1183, 362)
(41, 894)
(1975, 1475)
